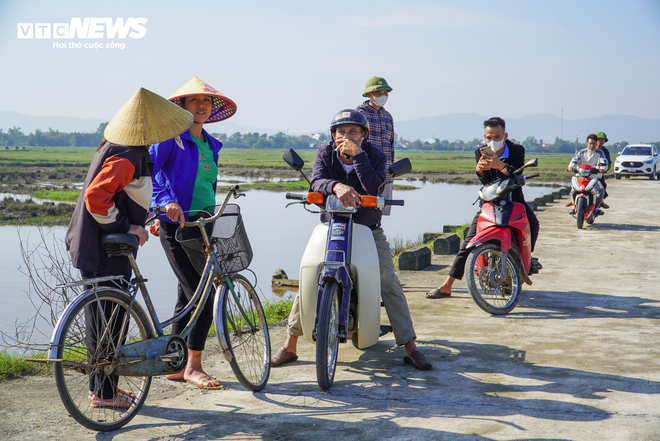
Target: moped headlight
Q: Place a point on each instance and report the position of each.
(333, 204)
(489, 192)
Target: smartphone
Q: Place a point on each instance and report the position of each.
(485, 150)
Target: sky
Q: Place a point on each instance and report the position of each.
(291, 65)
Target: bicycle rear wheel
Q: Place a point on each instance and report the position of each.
(242, 331)
(87, 337)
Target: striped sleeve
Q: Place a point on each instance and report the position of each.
(116, 173)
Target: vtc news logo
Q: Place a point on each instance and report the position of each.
(86, 28)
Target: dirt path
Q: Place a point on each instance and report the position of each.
(577, 359)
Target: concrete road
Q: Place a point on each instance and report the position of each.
(578, 359)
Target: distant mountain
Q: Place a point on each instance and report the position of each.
(67, 124)
(467, 126)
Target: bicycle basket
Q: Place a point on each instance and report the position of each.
(228, 238)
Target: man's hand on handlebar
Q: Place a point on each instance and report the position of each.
(175, 213)
(140, 233)
(347, 195)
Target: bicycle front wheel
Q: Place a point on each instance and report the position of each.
(244, 338)
(87, 340)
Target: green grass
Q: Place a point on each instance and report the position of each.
(12, 366)
(48, 156)
(57, 195)
(551, 166)
(278, 310)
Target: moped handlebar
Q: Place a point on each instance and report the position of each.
(296, 196)
(532, 176)
(399, 202)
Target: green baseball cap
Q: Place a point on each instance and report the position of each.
(376, 83)
(602, 135)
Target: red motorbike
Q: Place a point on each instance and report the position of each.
(587, 194)
(501, 254)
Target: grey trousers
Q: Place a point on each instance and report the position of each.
(396, 305)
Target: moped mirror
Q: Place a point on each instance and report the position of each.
(293, 160)
(531, 163)
(400, 167)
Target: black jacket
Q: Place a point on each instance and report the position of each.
(515, 160)
(368, 175)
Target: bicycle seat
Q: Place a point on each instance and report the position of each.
(119, 244)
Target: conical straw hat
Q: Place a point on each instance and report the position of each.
(223, 107)
(147, 119)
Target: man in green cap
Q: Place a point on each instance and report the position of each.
(381, 124)
(602, 139)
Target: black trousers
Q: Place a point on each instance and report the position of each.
(458, 267)
(96, 316)
(188, 278)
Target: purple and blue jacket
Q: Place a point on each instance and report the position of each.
(175, 169)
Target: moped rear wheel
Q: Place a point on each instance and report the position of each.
(244, 337)
(327, 340)
(88, 340)
(483, 268)
(579, 212)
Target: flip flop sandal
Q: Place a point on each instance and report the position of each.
(120, 401)
(436, 294)
(204, 384)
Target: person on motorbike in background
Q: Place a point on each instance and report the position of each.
(349, 166)
(602, 139)
(596, 158)
(505, 158)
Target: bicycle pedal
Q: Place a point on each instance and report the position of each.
(384, 329)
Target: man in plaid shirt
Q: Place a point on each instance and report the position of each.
(381, 124)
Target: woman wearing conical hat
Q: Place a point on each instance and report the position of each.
(115, 199)
(184, 179)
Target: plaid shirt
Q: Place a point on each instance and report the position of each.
(381, 130)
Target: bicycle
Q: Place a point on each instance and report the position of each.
(105, 335)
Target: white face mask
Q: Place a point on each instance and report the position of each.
(379, 100)
(495, 145)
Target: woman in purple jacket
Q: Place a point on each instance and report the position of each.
(184, 179)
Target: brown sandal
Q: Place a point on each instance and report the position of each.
(281, 357)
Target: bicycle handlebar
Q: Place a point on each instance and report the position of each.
(231, 191)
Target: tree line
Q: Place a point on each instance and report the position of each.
(531, 145)
(280, 141)
(16, 138)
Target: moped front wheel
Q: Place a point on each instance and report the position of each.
(488, 290)
(327, 339)
(579, 212)
(88, 340)
(243, 332)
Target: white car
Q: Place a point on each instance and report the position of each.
(637, 160)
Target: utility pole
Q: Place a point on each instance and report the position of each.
(562, 123)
